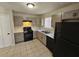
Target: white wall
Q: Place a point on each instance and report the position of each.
(64, 9)
(56, 15)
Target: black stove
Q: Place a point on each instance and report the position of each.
(28, 34)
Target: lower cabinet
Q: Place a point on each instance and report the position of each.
(19, 37)
(46, 40)
(41, 37)
(50, 43)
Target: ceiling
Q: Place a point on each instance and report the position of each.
(40, 8)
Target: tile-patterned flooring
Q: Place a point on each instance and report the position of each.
(32, 48)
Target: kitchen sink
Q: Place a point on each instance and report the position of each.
(46, 32)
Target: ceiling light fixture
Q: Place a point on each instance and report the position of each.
(30, 5)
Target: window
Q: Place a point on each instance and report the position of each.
(47, 22)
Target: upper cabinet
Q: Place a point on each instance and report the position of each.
(71, 14)
(36, 21)
(55, 18)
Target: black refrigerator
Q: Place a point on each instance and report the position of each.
(67, 39)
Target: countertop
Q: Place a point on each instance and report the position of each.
(51, 34)
(20, 30)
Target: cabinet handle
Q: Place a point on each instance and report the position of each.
(8, 33)
(75, 14)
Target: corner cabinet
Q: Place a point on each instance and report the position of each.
(6, 28)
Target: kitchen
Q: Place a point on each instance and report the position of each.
(43, 22)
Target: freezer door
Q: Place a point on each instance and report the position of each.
(70, 31)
